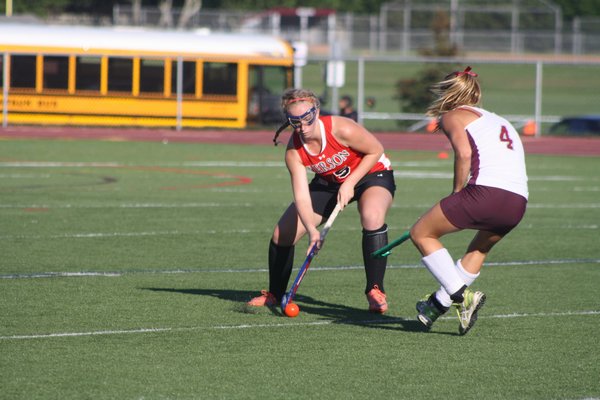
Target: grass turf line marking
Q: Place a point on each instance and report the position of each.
(94, 235)
(262, 270)
(262, 164)
(129, 205)
(219, 164)
(246, 205)
(126, 234)
(284, 325)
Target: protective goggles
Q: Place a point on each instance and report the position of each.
(308, 118)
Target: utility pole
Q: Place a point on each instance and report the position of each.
(8, 8)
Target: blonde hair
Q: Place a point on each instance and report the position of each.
(291, 96)
(457, 89)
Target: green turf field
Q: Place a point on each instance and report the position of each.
(124, 267)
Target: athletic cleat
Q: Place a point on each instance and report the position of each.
(265, 299)
(428, 312)
(467, 310)
(377, 300)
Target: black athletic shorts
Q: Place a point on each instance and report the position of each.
(324, 193)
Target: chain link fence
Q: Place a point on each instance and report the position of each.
(405, 26)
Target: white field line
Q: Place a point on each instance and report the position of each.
(284, 325)
(265, 164)
(65, 274)
(244, 205)
(24, 176)
(99, 235)
(130, 205)
(203, 164)
(564, 206)
(96, 235)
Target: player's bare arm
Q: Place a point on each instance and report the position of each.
(301, 194)
(355, 136)
(453, 125)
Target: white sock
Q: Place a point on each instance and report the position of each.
(466, 276)
(443, 297)
(441, 266)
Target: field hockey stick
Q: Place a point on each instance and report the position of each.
(387, 249)
(287, 298)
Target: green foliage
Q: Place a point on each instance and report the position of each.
(580, 8)
(41, 8)
(569, 8)
(413, 93)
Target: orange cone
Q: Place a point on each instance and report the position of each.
(530, 128)
(432, 125)
(442, 155)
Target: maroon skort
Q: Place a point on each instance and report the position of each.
(484, 208)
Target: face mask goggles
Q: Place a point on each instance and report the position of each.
(307, 118)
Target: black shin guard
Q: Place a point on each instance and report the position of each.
(374, 267)
(281, 262)
(433, 300)
(458, 297)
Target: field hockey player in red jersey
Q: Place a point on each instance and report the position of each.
(349, 165)
(489, 195)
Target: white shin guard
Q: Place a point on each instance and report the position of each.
(441, 266)
(443, 297)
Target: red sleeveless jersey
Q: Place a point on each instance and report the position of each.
(335, 162)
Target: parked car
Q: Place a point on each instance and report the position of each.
(580, 125)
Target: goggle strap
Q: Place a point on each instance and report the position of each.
(299, 99)
(278, 132)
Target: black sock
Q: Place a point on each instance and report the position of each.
(458, 297)
(281, 263)
(374, 267)
(433, 300)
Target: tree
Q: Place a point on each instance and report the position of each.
(166, 13)
(190, 8)
(580, 8)
(136, 7)
(413, 93)
(41, 8)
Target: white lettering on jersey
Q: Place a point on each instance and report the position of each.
(330, 163)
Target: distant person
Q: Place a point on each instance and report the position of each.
(349, 165)
(347, 109)
(489, 195)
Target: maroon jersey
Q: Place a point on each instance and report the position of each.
(335, 162)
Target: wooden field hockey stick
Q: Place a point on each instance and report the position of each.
(287, 298)
(387, 249)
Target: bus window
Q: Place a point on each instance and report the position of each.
(189, 77)
(56, 72)
(87, 73)
(120, 74)
(22, 72)
(220, 78)
(1, 72)
(152, 76)
(266, 84)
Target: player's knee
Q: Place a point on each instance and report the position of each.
(281, 238)
(372, 220)
(415, 234)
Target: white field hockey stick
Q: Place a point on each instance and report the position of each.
(287, 298)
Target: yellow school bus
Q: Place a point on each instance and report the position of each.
(69, 75)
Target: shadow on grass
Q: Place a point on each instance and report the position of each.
(335, 313)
